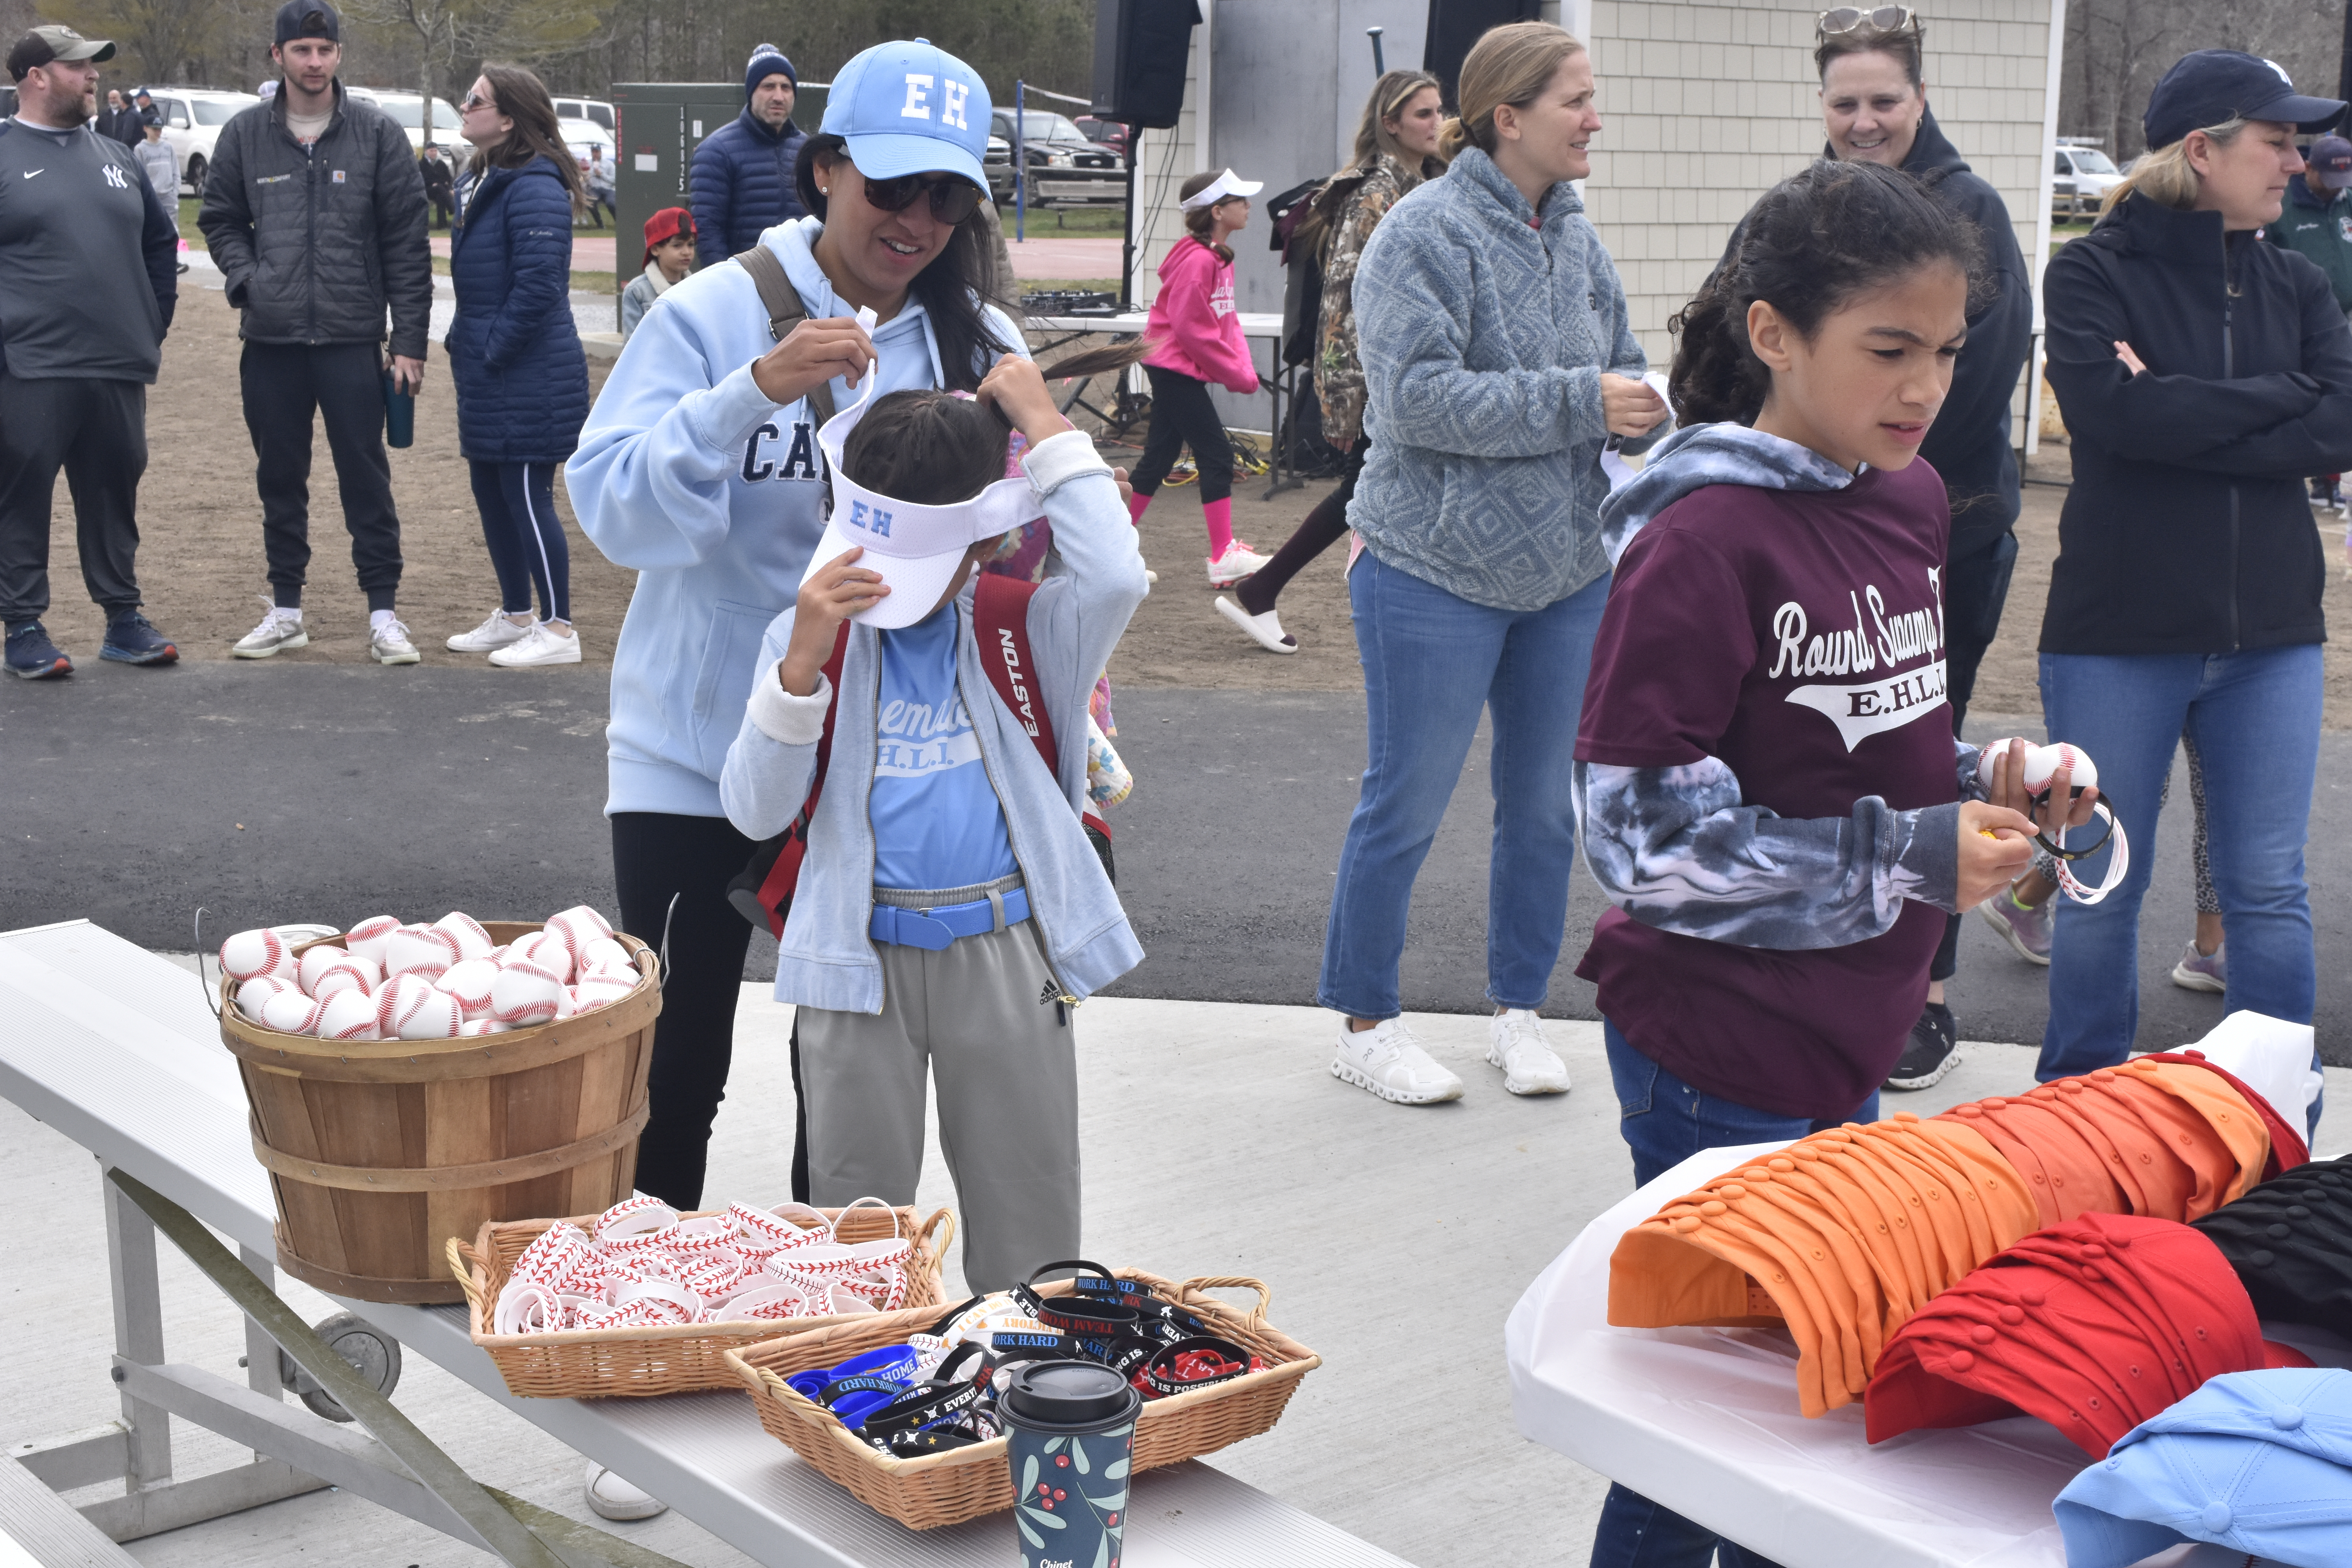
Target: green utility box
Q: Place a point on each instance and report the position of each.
(660, 125)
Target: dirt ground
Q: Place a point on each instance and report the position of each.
(201, 560)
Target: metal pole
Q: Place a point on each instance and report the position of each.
(1020, 163)
(1380, 66)
(1127, 246)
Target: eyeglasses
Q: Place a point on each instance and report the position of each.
(952, 199)
(1883, 19)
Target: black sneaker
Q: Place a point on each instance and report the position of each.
(32, 656)
(131, 638)
(1933, 1050)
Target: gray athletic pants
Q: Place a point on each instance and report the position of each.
(982, 1015)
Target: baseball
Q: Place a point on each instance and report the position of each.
(400, 996)
(2041, 762)
(258, 990)
(314, 962)
(348, 974)
(426, 950)
(546, 949)
(349, 1016)
(623, 973)
(470, 982)
(524, 993)
(369, 937)
(483, 1027)
(290, 1012)
(252, 954)
(473, 942)
(599, 991)
(436, 1017)
(602, 951)
(578, 926)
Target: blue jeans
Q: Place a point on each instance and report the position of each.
(1664, 1121)
(1432, 661)
(2255, 719)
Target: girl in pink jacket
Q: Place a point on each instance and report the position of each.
(1196, 340)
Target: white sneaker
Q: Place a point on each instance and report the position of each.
(1264, 630)
(493, 634)
(1387, 1060)
(616, 1498)
(1515, 1042)
(1238, 561)
(389, 643)
(539, 645)
(276, 634)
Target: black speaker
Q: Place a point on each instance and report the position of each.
(1456, 25)
(1140, 46)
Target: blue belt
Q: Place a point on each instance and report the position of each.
(936, 929)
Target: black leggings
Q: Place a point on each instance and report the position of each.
(1319, 531)
(655, 857)
(525, 540)
(1183, 415)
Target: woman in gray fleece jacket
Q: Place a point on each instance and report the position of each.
(1498, 362)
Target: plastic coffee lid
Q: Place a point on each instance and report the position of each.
(1068, 1393)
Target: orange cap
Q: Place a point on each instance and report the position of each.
(2225, 1109)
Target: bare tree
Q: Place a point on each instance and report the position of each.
(2117, 50)
(446, 32)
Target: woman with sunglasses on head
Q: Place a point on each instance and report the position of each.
(515, 354)
(1396, 149)
(699, 468)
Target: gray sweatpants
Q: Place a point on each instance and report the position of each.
(1008, 1096)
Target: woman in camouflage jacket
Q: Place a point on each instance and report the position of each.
(1396, 149)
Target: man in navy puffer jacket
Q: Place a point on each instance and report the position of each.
(743, 171)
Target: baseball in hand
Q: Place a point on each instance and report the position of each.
(2041, 763)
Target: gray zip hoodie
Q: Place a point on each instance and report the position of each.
(1075, 618)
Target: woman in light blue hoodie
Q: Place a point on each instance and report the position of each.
(1497, 360)
(699, 468)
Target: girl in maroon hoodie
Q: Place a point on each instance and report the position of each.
(1196, 340)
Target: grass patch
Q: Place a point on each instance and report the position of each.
(1067, 220)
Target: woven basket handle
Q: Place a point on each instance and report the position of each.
(945, 1224)
(1194, 1287)
(463, 1261)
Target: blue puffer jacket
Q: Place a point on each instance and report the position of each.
(743, 187)
(522, 379)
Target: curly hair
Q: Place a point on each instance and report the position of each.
(1811, 244)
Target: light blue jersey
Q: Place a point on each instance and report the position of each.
(937, 822)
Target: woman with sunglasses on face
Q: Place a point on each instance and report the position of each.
(699, 468)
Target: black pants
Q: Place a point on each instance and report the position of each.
(441, 220)
(285, 385)
(1183, 415)
(1320, 529)
(1976, 587)
(525, 537)
(96, 431)
(656, 856)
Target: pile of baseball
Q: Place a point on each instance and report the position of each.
(642, 1266)
(394, 982)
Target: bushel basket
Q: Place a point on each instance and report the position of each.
(597, 1363)
(963, 1483)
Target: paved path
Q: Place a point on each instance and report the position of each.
(364, 791)
(1046, 256)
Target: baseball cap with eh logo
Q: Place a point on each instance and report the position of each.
(910, 107)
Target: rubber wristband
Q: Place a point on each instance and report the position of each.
(1160, 1376)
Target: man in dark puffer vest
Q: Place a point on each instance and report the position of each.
(743, 171)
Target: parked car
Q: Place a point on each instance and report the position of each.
(7, 100)
(1108, 134)
(581, 134)
(593, 109)
(1063, 165)
(193, 118)
(407, 111)
(997, 164)
(2081, 175)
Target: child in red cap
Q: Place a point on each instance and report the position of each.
(669, 253)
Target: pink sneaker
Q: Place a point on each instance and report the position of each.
(2202, 971)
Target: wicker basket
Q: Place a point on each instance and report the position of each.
(964, 1483)
(597, 1363)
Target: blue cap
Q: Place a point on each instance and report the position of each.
(2259, 1462)
(910, 107)
(2213, 87)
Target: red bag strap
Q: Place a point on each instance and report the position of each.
(1000, 614)
(784, 876)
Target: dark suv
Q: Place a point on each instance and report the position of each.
(1063, 165)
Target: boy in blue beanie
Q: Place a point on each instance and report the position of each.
(743, 171)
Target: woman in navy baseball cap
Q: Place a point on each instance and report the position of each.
(2202, 373)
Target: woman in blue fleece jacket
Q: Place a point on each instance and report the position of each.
(1497, 360)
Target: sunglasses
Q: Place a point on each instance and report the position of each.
(952, 199)
(1883, 19)
(474, 100)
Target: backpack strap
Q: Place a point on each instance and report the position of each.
(1000, 613)
(785, 311)
(774, 873)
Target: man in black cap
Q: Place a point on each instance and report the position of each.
(2317, 223)
(88, 274)
(315, 213)
(148, 113)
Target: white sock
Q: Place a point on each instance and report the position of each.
(378, 620)
(283, 613)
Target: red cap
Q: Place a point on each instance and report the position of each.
(667, 224)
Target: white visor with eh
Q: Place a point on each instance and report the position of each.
(1224, 188)
(916, 549)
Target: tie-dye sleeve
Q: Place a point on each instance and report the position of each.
(1676, 848)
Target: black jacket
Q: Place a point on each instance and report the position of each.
(2186, 529)
(317, 242)
(1968, 445)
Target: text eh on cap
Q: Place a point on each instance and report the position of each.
(44, 45)
(2213, 87)
(910, 107)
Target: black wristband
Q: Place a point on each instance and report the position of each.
(1158, 1376)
